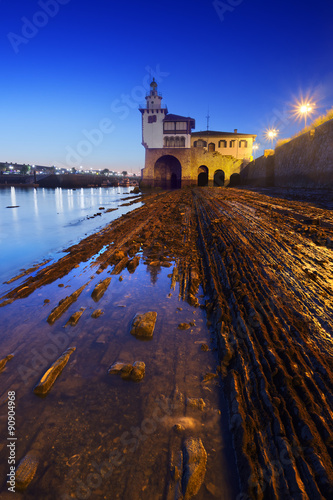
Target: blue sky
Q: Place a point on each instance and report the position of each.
(75, 72)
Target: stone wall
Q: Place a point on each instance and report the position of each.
(306, 161)
(190, 160)
(259, 172)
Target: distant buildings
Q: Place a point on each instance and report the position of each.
(177, 157)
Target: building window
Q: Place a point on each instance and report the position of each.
(166, 142)
(152, 119)
(169, 125)
(201, 143)
(171, 142)
(223, 144)
(182, 142)
(243, 143)
(180, 125)
(211, 146)
(232, 143)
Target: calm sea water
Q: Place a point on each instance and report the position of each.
(46, 221)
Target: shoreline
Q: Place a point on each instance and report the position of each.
(266, 269)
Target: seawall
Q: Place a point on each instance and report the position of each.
(304, 162)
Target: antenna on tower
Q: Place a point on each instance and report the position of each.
(208, 118)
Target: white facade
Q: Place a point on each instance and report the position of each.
(163, 130)
(152, 119)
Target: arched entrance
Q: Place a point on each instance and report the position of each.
(219, 178)
(167, 172)
(203, 176)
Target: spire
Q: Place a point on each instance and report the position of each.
(153, 87)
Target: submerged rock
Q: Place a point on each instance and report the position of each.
(46, 382)
(183, 326)
(97, 313)
(64, 305)
(209, 376)
(144, 324)
(134, 372)
(195, 460)
(26, 470)
(196, 403)
(100, 289)
(73, 320)
(3, 362)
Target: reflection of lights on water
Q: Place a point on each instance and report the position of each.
(58, 199)
(36, 201)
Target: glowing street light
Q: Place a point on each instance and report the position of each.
(305, 109)
(270, 134)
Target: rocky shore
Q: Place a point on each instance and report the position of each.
(265, 265)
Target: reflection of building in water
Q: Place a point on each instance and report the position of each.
(177, 157)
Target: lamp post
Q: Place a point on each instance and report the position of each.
(304, 110)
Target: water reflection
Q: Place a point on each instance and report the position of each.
(36, 202)
(58, 199)
(49, 220)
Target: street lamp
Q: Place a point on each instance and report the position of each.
(304, 110)
(254, 149)
(270, 134)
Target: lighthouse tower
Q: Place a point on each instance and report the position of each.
(152, 119)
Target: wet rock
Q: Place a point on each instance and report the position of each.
(143, 324)
(204, 347)
(116, 368)
(46, 382)
(117, 256)
(209, 376)
(64, 305)
(97, 313)
(178, 428)
(139, 370)
(26, 470)
(3, 362)
(213, 490)
(73, 320)
(195, 460)
(133, 264)
(100, 289)
(196, 403)
(154, 263)
(183, 326)
(134, 372)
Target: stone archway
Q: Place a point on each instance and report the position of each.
(219, 178)
(167, 172)
(203, 175)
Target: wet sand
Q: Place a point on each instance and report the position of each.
(250, 279)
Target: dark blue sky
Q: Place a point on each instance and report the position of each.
(72, 67)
